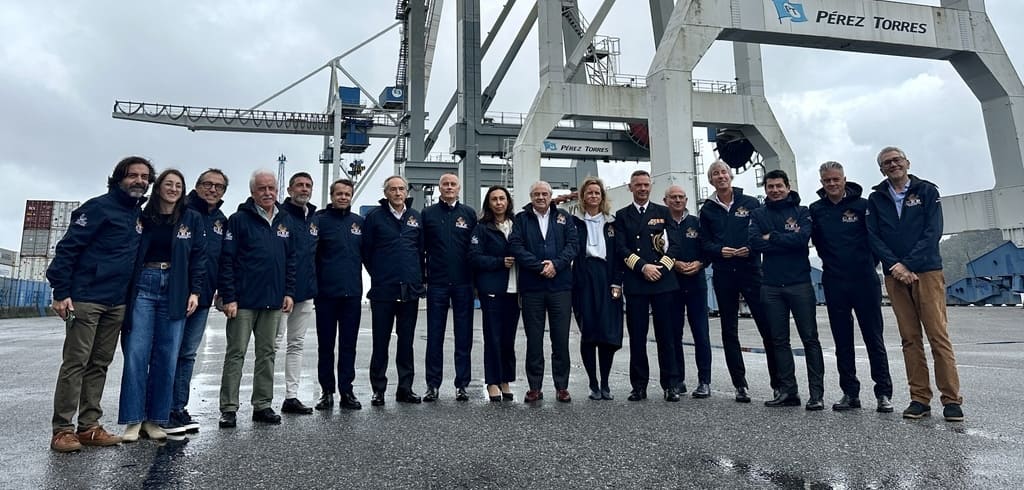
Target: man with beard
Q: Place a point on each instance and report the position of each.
(90, 274)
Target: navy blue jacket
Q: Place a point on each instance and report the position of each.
(257, 263)
(635, 248)
(393, 253)
(446, 232)
(305, 230)
(913, 238)
(840, 235)
(488, 248)
(90, 263)
(614, 262)
(188, 265)
(729, 229)
(339, 261)
(788, 225)
(530, 250)
(214, 226)
(688, 236)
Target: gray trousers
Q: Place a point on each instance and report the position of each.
(261, 324)
(89, 345)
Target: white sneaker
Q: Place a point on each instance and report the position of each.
(131, 433)
(153, 431)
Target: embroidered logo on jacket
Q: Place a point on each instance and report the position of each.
(850, 217)
(82, 220)
(138, 226)
(282, 231)
(218, 227)
(460, 222)
(313, 230)
(611, 232)
(742, 212)
(912, 200)
(412, 222)
(691, 233)
(475, 240)
(356, 230)
(184, 233)
(560, 219)
(229, 237)
(791, 224)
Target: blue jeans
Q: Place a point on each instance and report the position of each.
(195, 327)
(438, 300)
(150, 353)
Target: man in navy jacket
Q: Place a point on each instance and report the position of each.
(339, 275)
(447, 227)
(851, 284)
(544, 242)
(206, 200)
(90, 274)
(257, 284)
(393, 254)
(293, 325)
(780, 231)
(905, 224)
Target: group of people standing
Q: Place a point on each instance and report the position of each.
(148, 272)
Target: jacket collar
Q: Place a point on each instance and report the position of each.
(296, 210)
(199, 204)
(122, 197)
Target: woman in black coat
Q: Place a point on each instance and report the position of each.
(495, 277)
(597, 291)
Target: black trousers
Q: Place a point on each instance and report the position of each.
(842, 299)
(400, 316)
(558, 306)
(691, 305)
(337, 319)
(639, 309)
(778, 303)
(729, 285)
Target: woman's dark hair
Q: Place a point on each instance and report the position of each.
(486, 214)
(152, 209)
(121, 170)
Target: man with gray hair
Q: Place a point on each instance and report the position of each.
(904, 220)
(257, 284)
(544, 242)
(840, 235)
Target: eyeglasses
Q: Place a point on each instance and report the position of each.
(892, 161)
(213, 185)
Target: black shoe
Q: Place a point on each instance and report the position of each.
(671, 395)
(917, 410)
(637, 395)
(191, 426)
(595, 394)
(814, 404)
(377, 399)
(783, 401)
(407, 396)
(266, 416)
(953, 413)
(884, 405)
(846, 403)
(431, 395)
(227, 420)
(606, 394)
(741, 395)
(326, 402)
(681, 388)
(461, 395)
(348, 401)
(294, 406)
(703, 391)
(508, 396)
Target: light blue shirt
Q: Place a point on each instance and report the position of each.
(898, 197)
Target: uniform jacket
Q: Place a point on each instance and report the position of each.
(634, 241)
(215, 224)
(723, 228)
(788, 225)
(393, 253)
(90, 263)
(446, 232)
(257, 262)
(913, 238)
(306, 229)
(339, 261)
(488, 248)
(687, 234)
(531, 249)
(840, 235)
(188, 264)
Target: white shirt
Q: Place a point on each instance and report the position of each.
(726, 205)
(644, 205)
(542, 220)
(394, 212)
(506, 229)
(595, 235)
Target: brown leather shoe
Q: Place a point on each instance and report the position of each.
(533, 395)
(563, 396)
(96, 436)
(65, 441)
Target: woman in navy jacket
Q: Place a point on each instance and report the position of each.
(495, 277)
(597, 287)
(168, 280)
